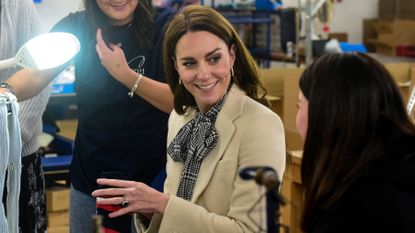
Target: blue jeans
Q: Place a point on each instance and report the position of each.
(82, 208)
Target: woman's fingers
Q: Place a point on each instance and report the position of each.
(137, 197)
(121, 211)
(109, 200)
(100, 41)
(117, 187)
(115, 46)
(98, 51)
(114, 201)
(116, 183)
(100, 46)
(108, 192)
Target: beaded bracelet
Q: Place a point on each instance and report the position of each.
(136, 83)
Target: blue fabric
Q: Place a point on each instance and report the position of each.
(84, 208)
(158, 182)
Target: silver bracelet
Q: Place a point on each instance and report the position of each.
(136, 83)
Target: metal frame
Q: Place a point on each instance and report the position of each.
(310, 11)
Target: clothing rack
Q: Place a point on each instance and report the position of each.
(8, 104)
(10, 162)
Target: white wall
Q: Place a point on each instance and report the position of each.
(51, 11)
(347, 16)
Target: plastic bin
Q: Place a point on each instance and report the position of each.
(346, 47)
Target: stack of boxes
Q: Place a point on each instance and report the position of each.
(57, 202)
(394, 30)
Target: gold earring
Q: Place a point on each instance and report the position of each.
(180, 81)
(232, 72)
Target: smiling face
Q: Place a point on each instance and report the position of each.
(119, 12)
(204, 64)
(302, 115)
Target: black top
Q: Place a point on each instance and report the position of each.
(116, 132)
(381, 200)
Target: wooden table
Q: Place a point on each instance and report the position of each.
(292, 190)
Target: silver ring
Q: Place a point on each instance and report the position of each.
(124, 202)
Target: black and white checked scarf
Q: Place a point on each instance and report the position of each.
(191, 145)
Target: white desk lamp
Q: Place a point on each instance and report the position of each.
(45, 51)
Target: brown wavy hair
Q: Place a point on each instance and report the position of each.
(195, 18)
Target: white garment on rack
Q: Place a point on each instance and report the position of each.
(10, 162)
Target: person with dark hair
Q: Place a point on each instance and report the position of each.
(123, 102)
(358, 166)
(217, 128)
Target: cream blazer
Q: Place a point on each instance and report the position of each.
(250, 134)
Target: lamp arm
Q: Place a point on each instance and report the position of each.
(7, 63)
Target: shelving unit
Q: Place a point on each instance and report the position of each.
(254, 18)
(257, 18)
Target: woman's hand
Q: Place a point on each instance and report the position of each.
(112, 57)
(140, 197)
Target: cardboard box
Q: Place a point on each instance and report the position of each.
(369, 29)
(67, 128)
(404, 75)
(282, 84)
(273, 79)
(407, 9)
(57, 198)
(383, 36)
(384, 27)
(369, 34)
(293, 139)
(396, 9)
(388, 9)
(386, 49)
(292, 191)
(340, 36)
(58, 218)
(394, 33)
(62, 229)
(291, 90)
(273, 82)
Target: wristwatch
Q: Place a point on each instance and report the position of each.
(8, 87)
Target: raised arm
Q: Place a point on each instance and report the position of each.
(27, 82)
(113, 59)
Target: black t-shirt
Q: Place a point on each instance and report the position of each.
(116, 132)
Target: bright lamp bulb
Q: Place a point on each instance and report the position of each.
(52, 49)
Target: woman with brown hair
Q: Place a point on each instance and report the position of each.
(217, 128)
